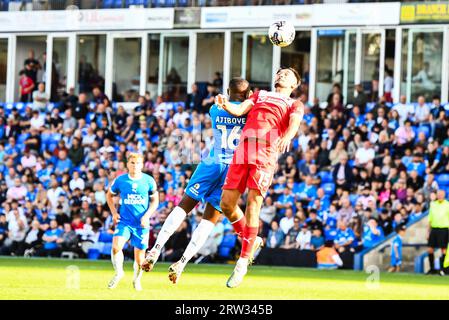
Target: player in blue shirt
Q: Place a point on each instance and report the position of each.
(206, 184)
(396, 249)
(138, 201)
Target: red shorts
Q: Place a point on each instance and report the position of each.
(253, 166)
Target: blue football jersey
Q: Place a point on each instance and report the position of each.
(134, 197)
(227, 129)
(397, 242)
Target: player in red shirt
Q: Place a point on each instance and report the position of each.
(273, 119)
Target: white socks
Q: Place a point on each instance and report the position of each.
(137, 271)
(199, 237)
(173, 221)
(117, 262)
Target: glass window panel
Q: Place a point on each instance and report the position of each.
(426, 68)
(153, 64)
(209, 59)
(236, 54)
(91, 55)
(3, 68)
(59, 69)
(126, 79)
(297, 56)
(259, 61)
(370, 64)
(176, 55)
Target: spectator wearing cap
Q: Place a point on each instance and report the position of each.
(385, 222)
(304, 238)
(275, 236)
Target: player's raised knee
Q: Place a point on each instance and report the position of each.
(226, 207)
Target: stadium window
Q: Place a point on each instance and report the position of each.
(3, 68)
(236, 54)
(154, 41)
(126, 79)
(91, 55)
(297, 56)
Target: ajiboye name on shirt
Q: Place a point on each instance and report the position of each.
(134, 199)
(226, 120)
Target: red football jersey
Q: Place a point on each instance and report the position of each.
(269, 118)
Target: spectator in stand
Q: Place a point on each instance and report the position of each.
(275, 236)
(304, 238)
(290, 239)
(32, 65)
(360, 99)
(344, 238)
(33, 239)
(388, 85)
(50, 237)
(68, 239)
(336, 89)
(26, 86)
(317, 240)
(396, 250)
(372, 234)
(287, 222)
(40, 98)
(18, 192)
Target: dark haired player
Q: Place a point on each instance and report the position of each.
(273, 119)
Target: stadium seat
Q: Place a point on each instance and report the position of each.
(105, 237)
(442, 179)
(106, 250)
(329, 188)
(108, 4)
(226, 246)
(93, 254)
(351, 163)
(183, 3)
(326, 176)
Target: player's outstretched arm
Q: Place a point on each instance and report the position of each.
(110, 201)
(293, 127)
(154, 203)
(236, 110)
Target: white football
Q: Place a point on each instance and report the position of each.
(282, 33)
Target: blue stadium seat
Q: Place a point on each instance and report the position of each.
(107, 247)
(229, 240)
(424, 129)
(370, 106)
(108, 4)
(442, 179)
(326, 176)
(351, 163)
(118, 4)
(183, 3)
(105, 237)
(93, 254)
(329, 188)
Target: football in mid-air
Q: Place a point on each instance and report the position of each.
(281, 33)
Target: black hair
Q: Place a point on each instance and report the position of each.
(239, 87)
(296, 73)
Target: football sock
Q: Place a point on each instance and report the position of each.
(137, 271)
(249, 236)
(199, 237)
(117, 261)
(173, 221)
(432, 261)
(442, 261)
(239, 226)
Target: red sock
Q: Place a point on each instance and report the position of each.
(239, 226)
(249, 235)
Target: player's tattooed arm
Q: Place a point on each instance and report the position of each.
(283, 144)
(110, 201)
(236, 110)
(154, 203)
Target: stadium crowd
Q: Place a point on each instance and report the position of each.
(354, 173)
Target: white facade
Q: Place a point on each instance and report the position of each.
(136, 50)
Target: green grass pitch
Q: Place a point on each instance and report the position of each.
(37, 278)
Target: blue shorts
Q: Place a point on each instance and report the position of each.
(395, 262)
(139, 236)
(207, 182)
